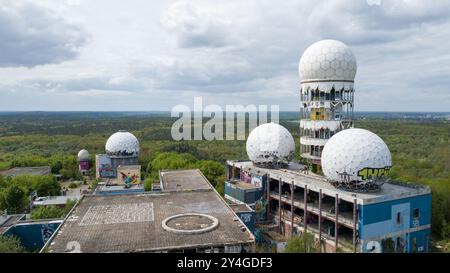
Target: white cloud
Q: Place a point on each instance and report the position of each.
(162, 52)
(32, 35)
(194, 26)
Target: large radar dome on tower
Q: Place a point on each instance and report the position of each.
(329, 62)
(356, 160)
(327, 70)
(270, 144)
(122, 143)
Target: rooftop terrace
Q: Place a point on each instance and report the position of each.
(134, 223)
(182, 180)
(294, 172)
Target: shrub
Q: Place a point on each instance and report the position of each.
(10, 244)
(148, 184)
(73, 185)
(305, 243)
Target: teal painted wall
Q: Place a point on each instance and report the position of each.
(33, 236)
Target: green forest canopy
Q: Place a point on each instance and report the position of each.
(420, 150)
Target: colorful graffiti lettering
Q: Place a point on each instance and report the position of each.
(130, 179)
(368, 173)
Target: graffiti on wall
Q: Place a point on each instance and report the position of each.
(368, 173)
(257, 181)
(129, 179)
(47, 232)
(106, 171)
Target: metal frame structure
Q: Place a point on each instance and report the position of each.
(323, 113)
(372, 185)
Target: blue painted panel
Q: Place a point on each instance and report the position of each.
(33, 236)
(248, 196)
(375, 213)
(419, 241)
(248, 217)
(379, 212)
(379, 220)
(379, 229)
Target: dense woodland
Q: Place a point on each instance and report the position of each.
(420, 149)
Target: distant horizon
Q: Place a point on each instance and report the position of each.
(168, 111)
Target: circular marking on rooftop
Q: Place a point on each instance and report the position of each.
(190, 223)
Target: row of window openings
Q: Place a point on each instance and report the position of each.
(320, 115)
(313, 150)
(323, 134)
(325, 96)
(416, 214)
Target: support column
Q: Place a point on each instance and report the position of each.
(320, 217)
(336, 211)
(292, 207)
(305, 213)
(279, 202)
(355, 218)
(233, 172)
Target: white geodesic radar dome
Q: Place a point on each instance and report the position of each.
(356, 155)
(270, 143)
(83, 155)
(122, 143)
(327, 60)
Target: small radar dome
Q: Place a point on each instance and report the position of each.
(356, 159)
(83, 155)
(122, 143)
(269, 144)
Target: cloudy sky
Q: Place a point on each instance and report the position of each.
(104, 55)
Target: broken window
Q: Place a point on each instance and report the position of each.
(416, 214)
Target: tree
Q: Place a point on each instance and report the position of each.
(171, 161)
(47, 186)
(388, 245)
(10, 244)
(148, 184)
(445, 230)
(52, 211)
(56, 167)
(14, 199)
(220, 187)
(49, 212)
(212, 170)
(305, 243)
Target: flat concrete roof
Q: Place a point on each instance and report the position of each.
(184, 180)
(9, 221)
(56, 200)
(134, 222)
(27, 170)
(112, 188)
(243, 185)
(240, 208)
(388, 192)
